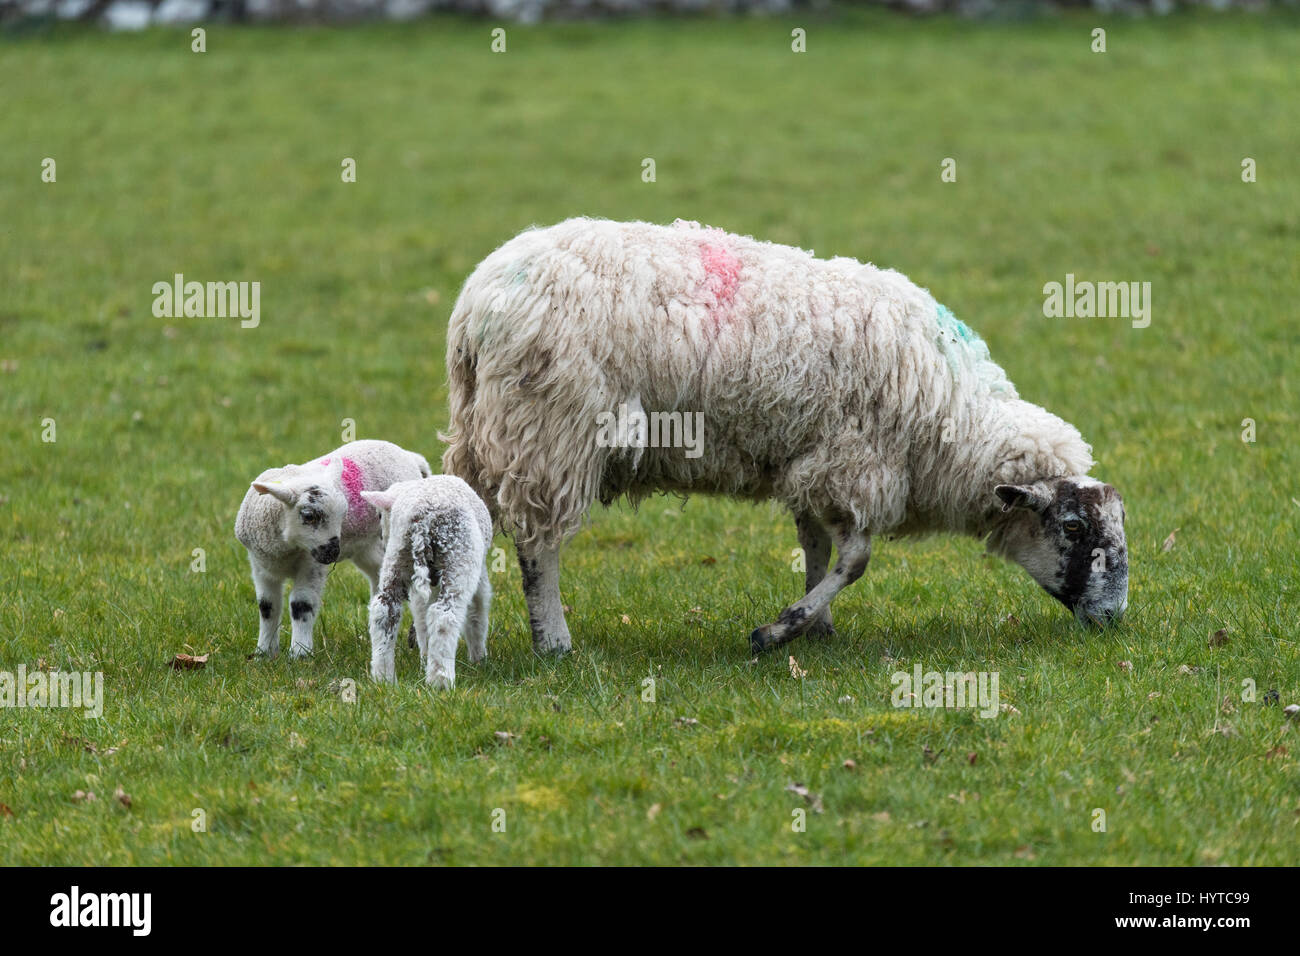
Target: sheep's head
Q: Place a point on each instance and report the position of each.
(315, 507)
(1068, 533)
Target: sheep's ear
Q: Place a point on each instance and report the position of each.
(1021, 496)
(277, 490)
(380, 499)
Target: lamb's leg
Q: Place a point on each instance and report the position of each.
(476, 624)
(370, 561)
(385, 618)
(854, 552)
(420, 622)
(541, 571)
(816, 543)
(304, 605)
(446, 620)
(270, 607)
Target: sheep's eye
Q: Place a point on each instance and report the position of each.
(310, 515)
(1073, 527)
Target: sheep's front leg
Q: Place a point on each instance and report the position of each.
(854, 553)
(815, 541)
(541, 571)
(270, 607)
(304, 605)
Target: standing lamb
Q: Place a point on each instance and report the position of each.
(298, 520)
(843, 390)
(438, 532)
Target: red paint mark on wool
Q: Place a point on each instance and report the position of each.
(721, 277)
(359, 512)
(353, 482)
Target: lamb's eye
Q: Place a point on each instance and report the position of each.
(1073, 527)
(310, 515)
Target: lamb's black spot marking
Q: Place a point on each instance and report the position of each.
(314, 494)
(265, 607)
(301, 609)
(394, 593)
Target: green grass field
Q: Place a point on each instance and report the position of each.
(226, 166)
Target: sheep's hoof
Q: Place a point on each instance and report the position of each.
(298, 652)
(263, 655)
(410, 638)
(761, 639)
(551, 649)
(820, 630)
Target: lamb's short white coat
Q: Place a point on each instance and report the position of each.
(437, 533)
(298, 520)
(839, 388)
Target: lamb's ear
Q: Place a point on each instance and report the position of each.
(277, 490)
(382, 500)
(1021, 496)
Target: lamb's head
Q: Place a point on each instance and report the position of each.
(315, 507)
(1068, 533)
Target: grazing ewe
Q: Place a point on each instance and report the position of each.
(438, 533)
(298, 520)
(843, 390)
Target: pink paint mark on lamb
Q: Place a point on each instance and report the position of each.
(353, 483)
(323, 461)
(721, 277)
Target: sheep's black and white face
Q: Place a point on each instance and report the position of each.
(1068, 533)
(315, 513)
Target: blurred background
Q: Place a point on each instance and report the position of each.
(137, 14)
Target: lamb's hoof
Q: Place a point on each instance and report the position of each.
(261, 655)
(299, 652)
(410, 638)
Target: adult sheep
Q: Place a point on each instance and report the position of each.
(843, 390)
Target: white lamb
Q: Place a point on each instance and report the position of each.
(298, 520)
(843, 390)
(438, 533)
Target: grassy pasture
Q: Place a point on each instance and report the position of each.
(226, 165)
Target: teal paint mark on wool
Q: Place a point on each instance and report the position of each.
(964, 349)
(950, 323)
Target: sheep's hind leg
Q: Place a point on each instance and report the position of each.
(854, 553)
(370, 562)
(445, 620)
(815, 541)
(541, 571)
(385, 618)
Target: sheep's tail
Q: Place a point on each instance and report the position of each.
(462, 386)
(524, 391)
(422, 557)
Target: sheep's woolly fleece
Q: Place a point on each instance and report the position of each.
(839, 388)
